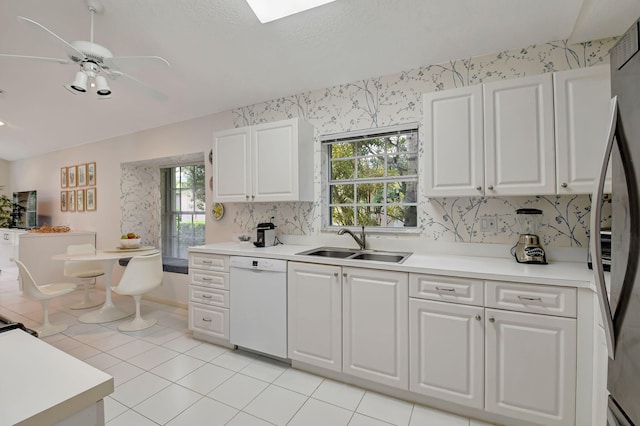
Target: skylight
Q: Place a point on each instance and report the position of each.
(270, 10)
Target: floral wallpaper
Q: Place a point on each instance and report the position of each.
(396, 99)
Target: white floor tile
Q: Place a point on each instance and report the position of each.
(234, 360)
(385, 408)
(131, 418)
(112, 341)
(206, 411)
(152, 358)
(112, 409)
(205, 378)
(182, 343)
(162, 336)
(428, 416)
(298, 381)
(102, 361)
(238, 391)
(244, 419)
(265, 369)
(83, 351)
(132, 349)
(206, 351)
(167, 404)
(178, 367)
(138, 389)
(276, 405)
(123, 372)
(339, 394)
(474, 422)
(318, 413)
(362, 420)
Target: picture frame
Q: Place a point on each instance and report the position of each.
(71, 201)
(63, 201)
(91, 174)
(80, 200)
(71, 176)
(81, 177)
(63, 177)
(91, 200)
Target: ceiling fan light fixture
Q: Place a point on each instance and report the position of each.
(80, 82)
(102, 88)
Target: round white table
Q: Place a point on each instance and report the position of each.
(108, 312)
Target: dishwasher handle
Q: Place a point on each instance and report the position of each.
(258, 264)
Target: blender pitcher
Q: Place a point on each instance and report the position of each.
(528, 248)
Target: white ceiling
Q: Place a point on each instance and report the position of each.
(222, 57)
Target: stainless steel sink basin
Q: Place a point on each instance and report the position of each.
(343, 253)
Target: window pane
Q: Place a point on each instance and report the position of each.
(342, 216)
(370, 215)
(342, 194)
(399, 216)
(341, 150)
(369, 167)
(370, 193)
(402, 165)
(343, 169)
(402, 143)
(371, 147)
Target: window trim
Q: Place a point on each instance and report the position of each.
(361, 135)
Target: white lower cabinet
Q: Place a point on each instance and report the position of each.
(531, 366)
(209, 297)
(353, 320)
(447, 351)
(315, 314)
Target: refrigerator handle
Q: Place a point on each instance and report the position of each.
(595, 240)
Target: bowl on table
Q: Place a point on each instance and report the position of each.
(130, 243)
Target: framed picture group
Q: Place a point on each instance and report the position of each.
(78, 192)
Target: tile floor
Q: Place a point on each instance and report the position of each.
(165, 377)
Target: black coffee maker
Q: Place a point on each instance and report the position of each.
(265, 235)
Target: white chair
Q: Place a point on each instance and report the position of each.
(142, 274)
(85, 271)
(43, 293)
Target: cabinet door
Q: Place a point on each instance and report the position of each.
(315, 314)
(446, 351)
(519, 136)
(7, 248)
(375, 326)
(582, 98)
(453, 122)
(531, 366)
(231, 165)
(275, 165)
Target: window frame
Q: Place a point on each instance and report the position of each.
(328, 183)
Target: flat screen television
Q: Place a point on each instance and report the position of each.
(25, 210)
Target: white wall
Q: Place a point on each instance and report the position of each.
(5, 167)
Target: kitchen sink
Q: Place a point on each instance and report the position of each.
(343, 253)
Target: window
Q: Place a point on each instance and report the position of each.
(373, 179)
(183, 213)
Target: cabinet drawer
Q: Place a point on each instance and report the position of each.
(541, 299)
(446, 289)
(209, 320)
(211, 262)
(209, 296)
(218, 280)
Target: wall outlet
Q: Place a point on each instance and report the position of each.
(489, 223)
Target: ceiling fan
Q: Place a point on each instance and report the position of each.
(95, 61)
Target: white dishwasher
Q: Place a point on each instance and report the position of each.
(258, 306)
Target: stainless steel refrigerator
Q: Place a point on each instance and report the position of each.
(621, 307)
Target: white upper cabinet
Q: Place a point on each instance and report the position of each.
(267, 162)
(582, 99)
(518, 136)
(454, 142)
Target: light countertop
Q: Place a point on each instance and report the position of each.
(571, 274)
(43, 385)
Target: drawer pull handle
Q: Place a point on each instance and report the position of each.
(478, 317)
(207, 262)
(207, 279)
(492, 320)
(206, 296)
(531, 299)
(453, 290)
(335, 274)
(207, 319)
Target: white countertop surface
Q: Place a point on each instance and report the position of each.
(41, 384)
(572, 274)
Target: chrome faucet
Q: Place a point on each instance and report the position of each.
(361, 240)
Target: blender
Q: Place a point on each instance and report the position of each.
(528, 248)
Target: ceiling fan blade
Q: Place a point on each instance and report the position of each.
(140, 85)
(35, 58)
(68, 48)
(125, 61)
